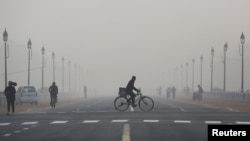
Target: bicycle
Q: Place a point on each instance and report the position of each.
(53, 101)
(123, 101)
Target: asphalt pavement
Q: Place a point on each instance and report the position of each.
(95, 119)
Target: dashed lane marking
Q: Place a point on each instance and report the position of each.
(126, 132)
(90, 121)
(58, 122)
(242, 122)
(30, 123)
(25, 128)
(182, 121)
(132, 109)
(213, 122)
(7, 135)
(120, 120)
(17, 131)
(154, 121)
(4, 124)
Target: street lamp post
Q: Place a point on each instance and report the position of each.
(53, 57)
(201, 69)
(242, 40)
(63, 74)
(43, 52)
(29, 57)
(69, 74)
(5, 39)
(186, 74)
(193, 60)
(181, 76)
(212, 59)
(225, 50)
(75, 78)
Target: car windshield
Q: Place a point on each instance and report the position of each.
(28, 89)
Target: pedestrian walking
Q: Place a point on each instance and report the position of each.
(173, 92)
(10, 92)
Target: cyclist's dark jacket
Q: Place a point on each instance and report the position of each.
(130, 87)
(53, 90)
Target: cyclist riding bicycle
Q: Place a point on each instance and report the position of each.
(129, 89)
(53, 92)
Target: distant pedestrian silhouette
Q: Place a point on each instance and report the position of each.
(173, 92)
(10, 92)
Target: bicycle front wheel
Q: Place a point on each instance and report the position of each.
(146, 104)
(121, 103)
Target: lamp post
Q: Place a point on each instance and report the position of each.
(242, 40)
(193, 60)
(5, 39)
(53, 57)
(69, 74)
(75, 78)
(225, 50)
(201, 58)
(181, 76)
(187, 75)
(212, 59)
(29, 57)
(43, 52)
(63, 74)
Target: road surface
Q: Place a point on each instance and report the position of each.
(95, 119)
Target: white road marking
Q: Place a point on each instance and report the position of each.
(120, 120)
(4, 124)
(213, 122)
(90, 121)
(30, 123)
(126, 132)
(173, 106)
(182, 121)
(230, 109)
(150, 120)
(58, 122)
(29, 110)
(17, 131)
(25, 128)
(242, 122)
(7, 135)
(132, 109)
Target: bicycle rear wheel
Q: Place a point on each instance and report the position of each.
(146, 104)
(121, 103)
(53, 102)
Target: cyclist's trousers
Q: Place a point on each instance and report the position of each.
(132, 95)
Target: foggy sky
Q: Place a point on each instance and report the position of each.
(112, 40)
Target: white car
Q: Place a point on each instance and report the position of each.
(26, 94)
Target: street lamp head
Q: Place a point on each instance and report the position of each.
(201, 58)
(5, 35)
(29, 44)
(43, 50)
(63, 59)
(225, 47)
(212, 51)
(242, 38)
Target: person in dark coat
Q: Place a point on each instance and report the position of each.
(129, 89)
(10, 92)
(53, 90)
(173, 92)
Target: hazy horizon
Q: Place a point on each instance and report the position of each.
(109, 41)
